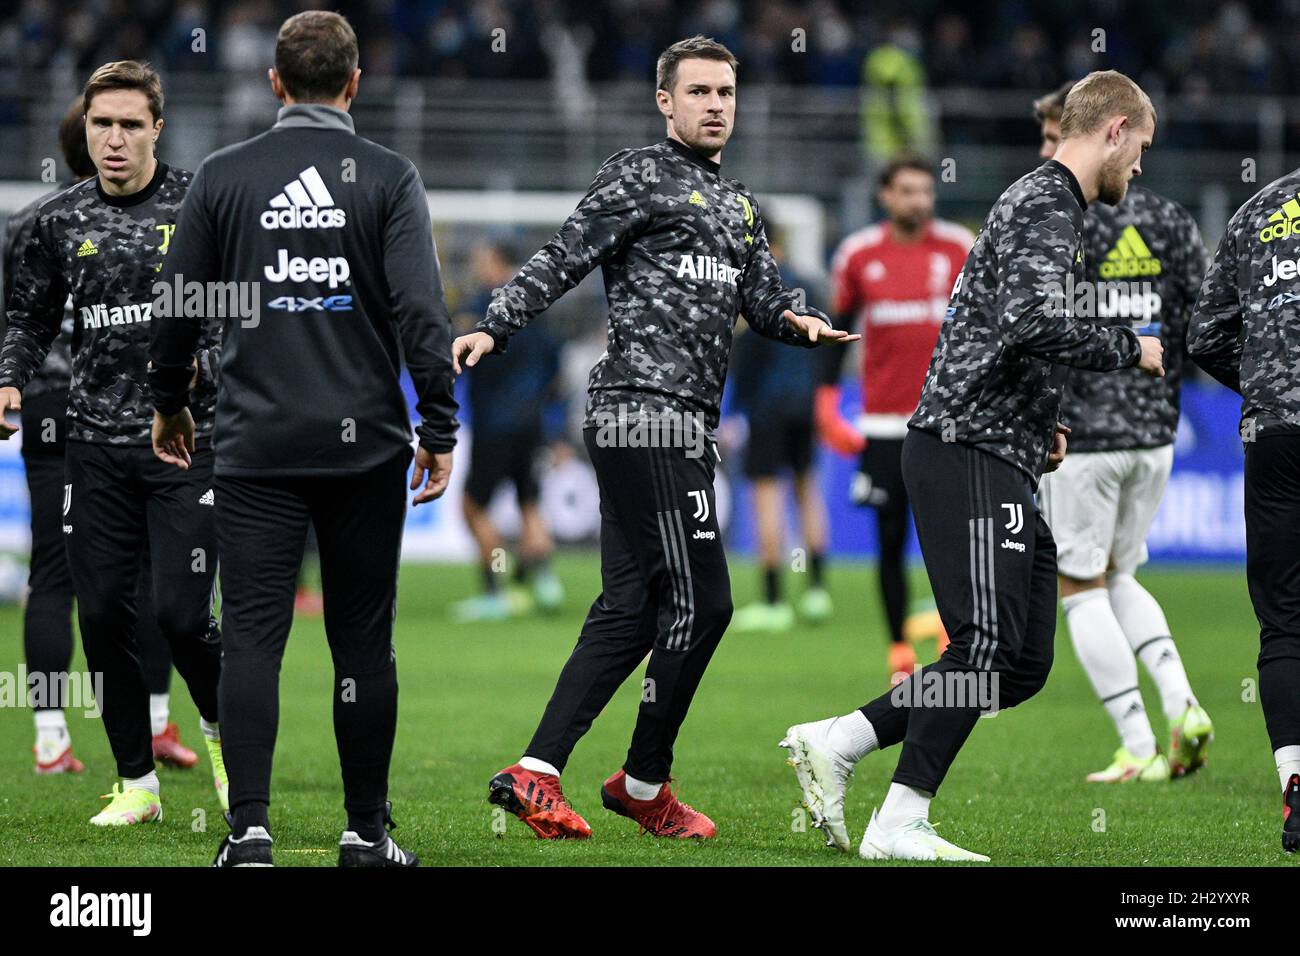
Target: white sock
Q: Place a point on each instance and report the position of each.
(212, 731)
(159, 712)
(1147, 631)
(1108, 661)
(852, 737)
(538, 766)
(148, 782)
(639, 789)
(1132, 722)
(51, 735)
(51, 723)
(903, 805)
(1288, 762)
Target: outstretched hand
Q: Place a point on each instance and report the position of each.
(816, 330)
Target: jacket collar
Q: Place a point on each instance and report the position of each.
(315, 116)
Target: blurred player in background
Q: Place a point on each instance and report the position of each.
(774, 389)
(985, 431)
(47, 619)
(102, 242)
(506, 401)
(1245, 332)
(1100, 503)
(684, 252)
(891, 283)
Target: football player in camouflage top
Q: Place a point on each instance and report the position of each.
(47, 618)
(986, 429)
(1146, 261)
(684, 252)
(102, 242)
(1245, 332)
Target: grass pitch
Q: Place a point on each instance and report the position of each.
(471, 696)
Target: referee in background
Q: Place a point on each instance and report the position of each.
(1244, 332)
(312, 423)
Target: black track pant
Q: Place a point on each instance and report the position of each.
(1273, 576)
(120, 500)
(47, 621)
(665, 592)
(262, 526)
(992, 565)
(882, 487)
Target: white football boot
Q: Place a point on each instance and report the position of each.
(824, 778)
(915, 841)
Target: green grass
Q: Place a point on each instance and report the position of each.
(471, 696)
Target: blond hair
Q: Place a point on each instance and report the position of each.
(1101, 96)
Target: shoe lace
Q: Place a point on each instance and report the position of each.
(112, 794)
(661, 818)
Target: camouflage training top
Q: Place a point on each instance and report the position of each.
(993, 380)
(106, 251)
(1245, 327)
(56, 372)
(1147, 259)
(684, 252)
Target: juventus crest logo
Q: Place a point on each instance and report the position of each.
(1015, 518)
(67, 499)
(701, 505)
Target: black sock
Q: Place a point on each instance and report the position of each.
(249, 815)
(772, 585)
(816, 565)
(489, 578)
(523, 567)
(368, 826)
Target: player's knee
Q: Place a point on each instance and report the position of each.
(177, 621)
(713, 611)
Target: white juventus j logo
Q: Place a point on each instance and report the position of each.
(701, 505)
(1016, 518)
(67, 499)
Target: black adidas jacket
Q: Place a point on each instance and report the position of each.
(333, 232)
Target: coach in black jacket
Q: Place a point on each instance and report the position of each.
(333, 233)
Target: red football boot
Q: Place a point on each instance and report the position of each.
(536, 798)
(1291, 814)
(63, 763)
(168, 749)
(664, 816)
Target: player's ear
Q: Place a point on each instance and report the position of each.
(274, 79)
(350, 91)
(665, 103)
(1116, 128)
(157, 128)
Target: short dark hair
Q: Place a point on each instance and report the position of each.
(125, 75)
(315, 54)
(697, 47)
(1052, 105)
(900, 163)
(72, 140)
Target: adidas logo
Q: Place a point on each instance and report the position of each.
(1130, 257)
(305, 203)
(87, 248)
(206, 498)
(1283, 223)
(696, 199)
